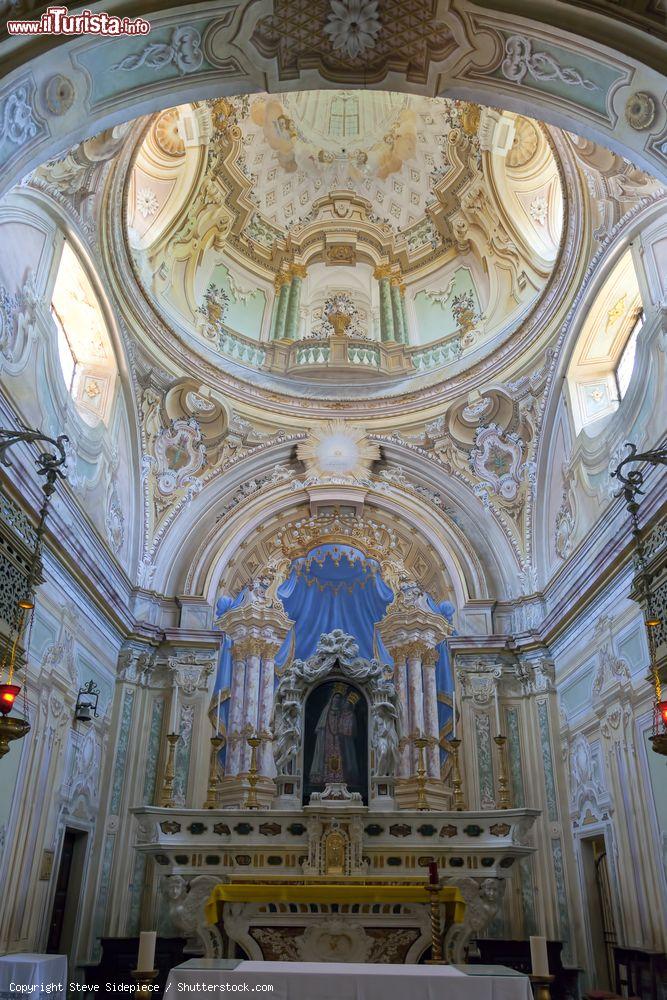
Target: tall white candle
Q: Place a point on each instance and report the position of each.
(146, 957)
(174, 710)
(454, 712)
(495, 696)
(217, 721)
(538, 956)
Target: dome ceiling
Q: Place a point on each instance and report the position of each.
(387, 148)
(433, 224)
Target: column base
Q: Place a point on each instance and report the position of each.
(233, 791)
(438, 797)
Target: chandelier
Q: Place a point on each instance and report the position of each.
(49, 464)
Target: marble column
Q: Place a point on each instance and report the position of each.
(382, 276)
(257, 628)
(401, 684)
(253, 651)
(298, 273)
(397, 309)
(234, 748)
(282, 287)
(265, 708)
(431, 726)
(411, 632)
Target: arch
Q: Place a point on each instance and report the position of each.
(49, 85)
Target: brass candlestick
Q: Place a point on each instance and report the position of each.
(504, 801)
(457, 783)
(421, 743)
(251, 800)
(167, 797)
(541, 986)
(143, 979)
(212, 792)
(433, 889)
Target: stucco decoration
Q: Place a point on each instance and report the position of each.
(336, 653)
(483, 898)
(183, 51)
(338, 452)
(640, 110)
(178, 456)
(408, 38)
(17, 123)
(497, 460)
(521, 59)
(353, 26)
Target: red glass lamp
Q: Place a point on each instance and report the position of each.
(8, 693)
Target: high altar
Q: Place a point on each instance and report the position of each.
(336, 779)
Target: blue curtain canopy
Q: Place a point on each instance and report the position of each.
(334, 586)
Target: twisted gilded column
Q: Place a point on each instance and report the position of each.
(383, 275)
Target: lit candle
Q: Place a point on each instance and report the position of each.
(174, 709)
(217, 721)
(433, 872)
(146, 957)
(495, 695)
(539, 959)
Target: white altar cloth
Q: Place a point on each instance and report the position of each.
(33, 974)
(339, 981)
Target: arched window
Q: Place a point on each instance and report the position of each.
(603, 359)
(84, 347)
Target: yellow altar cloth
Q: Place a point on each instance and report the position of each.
(332, 892)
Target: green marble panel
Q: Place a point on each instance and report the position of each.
(547, 761)
(153, 752)
(514, 753)
(121, 752)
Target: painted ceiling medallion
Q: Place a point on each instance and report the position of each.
(524, 144)
(640, 110)
(338, 451)
(167, 133)
(353, 26)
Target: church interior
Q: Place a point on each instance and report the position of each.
(333, 514)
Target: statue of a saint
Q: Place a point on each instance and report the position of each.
(336, 747)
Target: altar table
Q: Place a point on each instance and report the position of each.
(34, 973)
(336, 981)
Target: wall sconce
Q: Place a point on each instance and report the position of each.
(86, 703)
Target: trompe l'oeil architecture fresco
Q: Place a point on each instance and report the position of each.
(325, 330)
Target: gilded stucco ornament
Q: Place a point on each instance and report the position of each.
(497, 459)
(640, 110)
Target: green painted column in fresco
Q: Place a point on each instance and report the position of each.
(404, 310)
(292, 318)
(282, 286)
(381, 274)
(397, 310)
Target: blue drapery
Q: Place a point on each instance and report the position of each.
(334, 586)
(444, 681)
(223, 680)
